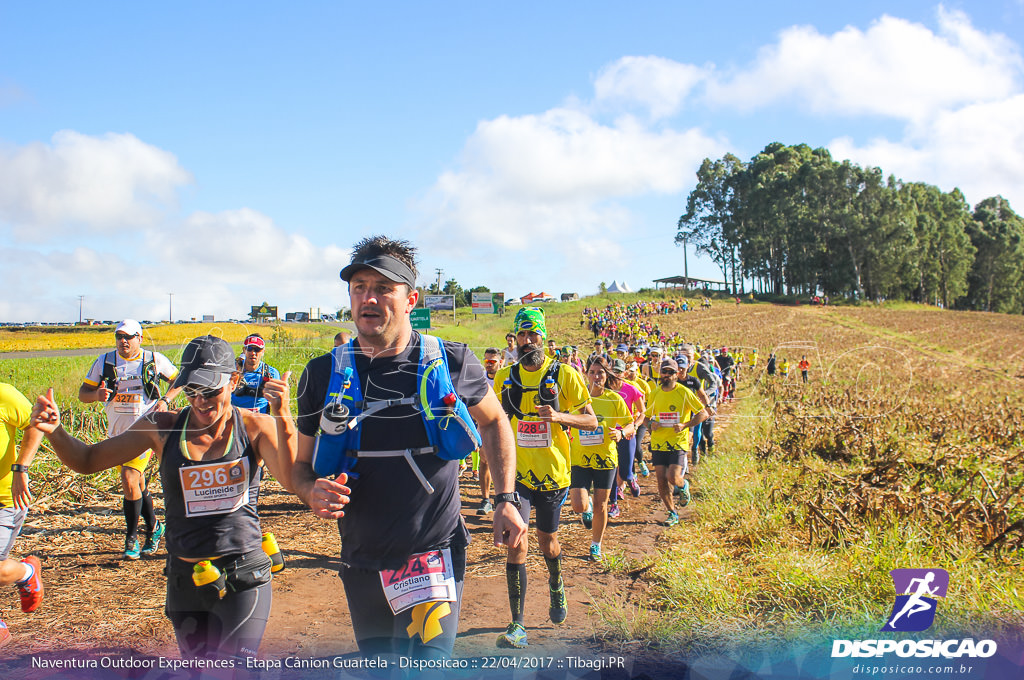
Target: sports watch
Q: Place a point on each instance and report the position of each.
(512, 498)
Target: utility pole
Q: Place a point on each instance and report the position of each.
(686, 265)
(170, 308)
(439, 273)
(81, 299)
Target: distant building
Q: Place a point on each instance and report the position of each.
(568, 297)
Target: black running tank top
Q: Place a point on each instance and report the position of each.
(210, 505)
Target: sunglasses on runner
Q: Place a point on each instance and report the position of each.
(253, 348)
(123, 336)
(204, 392)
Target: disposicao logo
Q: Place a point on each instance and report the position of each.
(916, 590)
(912, 612)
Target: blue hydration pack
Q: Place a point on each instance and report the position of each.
(450, 429)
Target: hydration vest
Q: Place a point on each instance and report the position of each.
(150, 378)
(451, 433)
(512, 391)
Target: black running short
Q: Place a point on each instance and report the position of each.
(667, 458)
(547, 503)
(425, 631)
(584, 477)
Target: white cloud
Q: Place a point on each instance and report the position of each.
(895, 68)
(104, 182)
(978, 148)
(558, 173)
(656, 83)
(217, 264)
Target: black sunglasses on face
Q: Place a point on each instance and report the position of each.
(123, 336)
(204, 392)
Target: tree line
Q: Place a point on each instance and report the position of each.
(793, 221)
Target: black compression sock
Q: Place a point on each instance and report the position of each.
(132, 511)
(554, 570)
(515, 576)
(148, 514)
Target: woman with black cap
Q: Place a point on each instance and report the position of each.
(209, 468)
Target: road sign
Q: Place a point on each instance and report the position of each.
(420, 318)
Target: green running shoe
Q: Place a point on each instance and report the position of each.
(131, 549)
(514, 637)
(152, 543)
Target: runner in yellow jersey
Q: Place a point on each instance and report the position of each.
(672, 411)
(595, 454)
(542, 399)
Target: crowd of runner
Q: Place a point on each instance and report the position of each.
(538, 424)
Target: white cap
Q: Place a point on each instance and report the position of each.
(130, 327)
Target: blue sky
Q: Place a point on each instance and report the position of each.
(231, 153)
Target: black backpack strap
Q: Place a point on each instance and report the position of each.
(512, 395)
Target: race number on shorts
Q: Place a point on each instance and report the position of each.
(426, 577)
(215, 488)
(533, 434)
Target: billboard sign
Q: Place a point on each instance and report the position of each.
(482, 303)
(439, 302)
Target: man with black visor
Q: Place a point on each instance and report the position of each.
(395, 494)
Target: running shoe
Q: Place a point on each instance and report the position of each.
(5, 635)
(31, 589)
(485, 507)
(684, 494)
(634, 487)
(595, 552)
(558, 610)
(588, 518)
(152, 543)
(514, 637)
(131, 549)
(673, 518)
(644, 470)
(613, 511)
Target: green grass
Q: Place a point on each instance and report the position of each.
(744, 572)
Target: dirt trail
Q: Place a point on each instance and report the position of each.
(98, 604)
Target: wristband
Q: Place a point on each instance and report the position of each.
(165, 400)
(18, 467)
(512, 498)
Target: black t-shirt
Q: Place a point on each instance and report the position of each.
(390, 515)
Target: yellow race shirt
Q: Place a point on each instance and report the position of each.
(15, 414)
(542, 448)
(672, 408)
(595, 449)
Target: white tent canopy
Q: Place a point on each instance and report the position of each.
(619, 288)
